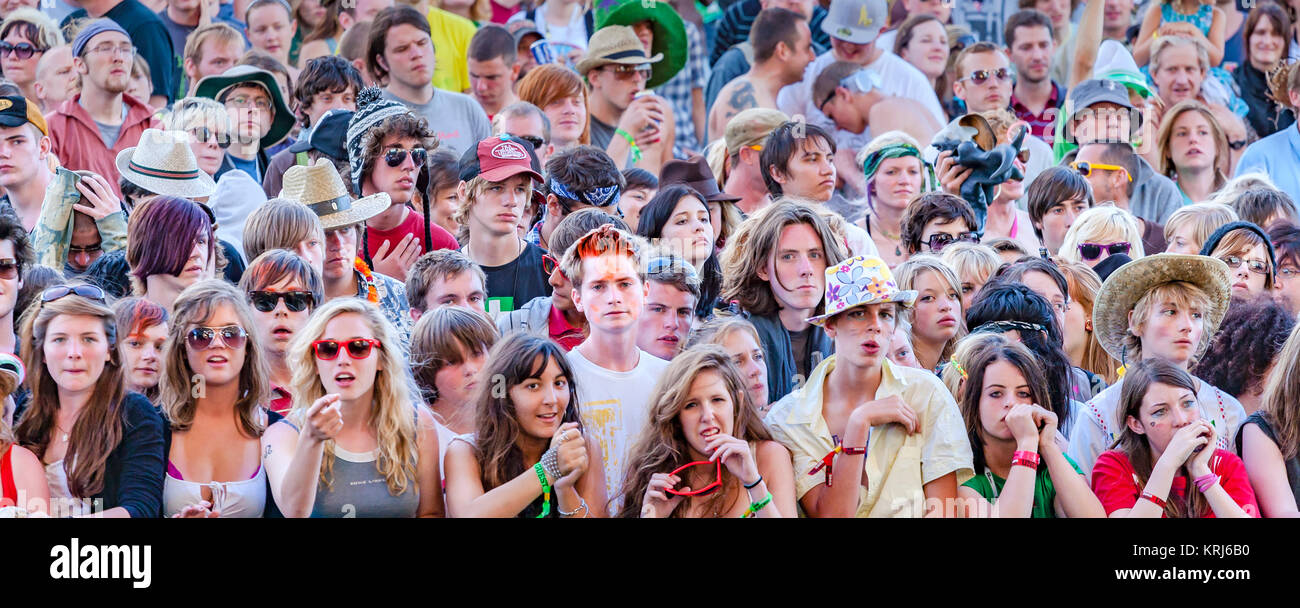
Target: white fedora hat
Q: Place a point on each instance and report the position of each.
(163, 163)
(320, 188)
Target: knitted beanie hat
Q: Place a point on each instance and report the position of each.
(372, 109)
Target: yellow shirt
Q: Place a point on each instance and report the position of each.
(898, 465)
(451, 34)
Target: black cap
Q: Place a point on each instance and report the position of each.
(1112, 263)
(16, 111)
(329, 135)
(1212, 243)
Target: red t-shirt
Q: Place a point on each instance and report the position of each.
(1116, 487)
(413, 224)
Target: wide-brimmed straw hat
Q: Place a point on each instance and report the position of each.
(615, 44)
(859, 281)
(163, 163)
(1130, 282)
(320, 187)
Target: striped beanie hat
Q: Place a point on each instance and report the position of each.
(372, 109)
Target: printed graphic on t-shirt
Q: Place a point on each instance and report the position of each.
(603, 421)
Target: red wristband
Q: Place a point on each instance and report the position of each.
(1156, 500)
(1025, 458)
(854, 451)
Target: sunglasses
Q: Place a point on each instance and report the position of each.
(627, 72)
(22, 50)
(1085, 168)
(942, 239)
(204, 135)
(1092, 251)
(88, 249)
(396, 156)
(706, 490)
(358, 348)
(295, 301)
(532, 139)
(63, 291)
(549, 264)
(979, 77)
(203, 338)
(1254, 266)
(8, 268)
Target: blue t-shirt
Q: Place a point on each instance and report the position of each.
(247, 166)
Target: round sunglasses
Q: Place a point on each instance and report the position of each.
(295, 301)
(22, 50)
(358, 348)
(396, 156)
(230, 336)
(1092, 251)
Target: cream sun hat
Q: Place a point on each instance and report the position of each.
(321, 189)
(163, 163)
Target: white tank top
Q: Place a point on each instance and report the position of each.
(245, 498)
(62, 502)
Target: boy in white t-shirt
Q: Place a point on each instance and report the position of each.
(613, 377)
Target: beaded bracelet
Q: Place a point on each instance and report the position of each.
(1025, 458)
(546, 490)
(631, 142)
(1156, 500)
(754, 508)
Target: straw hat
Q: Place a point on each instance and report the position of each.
(1122, 290)
(163, 163)
(320, 188)
(12, 374)
(859, 281)
(615, 44)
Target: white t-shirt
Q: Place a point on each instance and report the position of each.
(574, 33)
(615, 411)
(898, 79)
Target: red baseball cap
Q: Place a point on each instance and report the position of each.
(496, 159)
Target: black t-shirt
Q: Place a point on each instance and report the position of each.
(513, 284)
(151, 40)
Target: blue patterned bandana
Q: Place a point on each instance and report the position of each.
(603, 196)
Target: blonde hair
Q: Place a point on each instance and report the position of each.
(47, 31)
(971, 260)
(1084, 285)
(716, 154)
(1239, 184)
(1204, 218)
(1178, 292)
(1165, 43)
(909, 272)
(957, 366)
(189, 110)
(1165, 155)
(888, 138)
(394, 407)
(474, 188)
(1102, 224)
(219, 30)
(194, 306)
(1281, 399)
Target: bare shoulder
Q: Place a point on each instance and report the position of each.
(25, 458)
(771, 450)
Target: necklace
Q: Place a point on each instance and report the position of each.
(61, 430)
(896, 238)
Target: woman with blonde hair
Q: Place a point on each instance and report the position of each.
(212, 439)
(894, 174)
(974, 263)
(1193, 151)
(705, 452)
(208, 125)
(1082, 346)
(1269, 440)
(357, 443)
(938, 322)
(739, 338)
(562, 96)
(1101, 232)
(1189, 227)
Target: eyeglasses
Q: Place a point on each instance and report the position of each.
(204, 135)
(549, 264)
(358, 348)
(243, 101)
(1085, 168)
(295, 301)
(110, 48)
(1254, 266)
(939, 240)
(8, 268)
(628, 72)
(62, 291)
(532, 139)
(1092, 251)
(396, 156)
(706, 490)
(1286, 272)
(979, 77)
(88, 249)
(203, 338)
(22, 50)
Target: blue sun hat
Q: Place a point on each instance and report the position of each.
(859, 281)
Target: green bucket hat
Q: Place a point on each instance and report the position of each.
(212, 87)
(670, 32)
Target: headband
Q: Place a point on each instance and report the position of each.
(871, 163)
(602, 196)
(1000, 327)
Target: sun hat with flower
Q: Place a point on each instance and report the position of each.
(859, 281)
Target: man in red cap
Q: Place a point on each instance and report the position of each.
(497, 179)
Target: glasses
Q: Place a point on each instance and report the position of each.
(1254, 266)
(110, 48)
(8, 268)
(532, 139)
(1285, 272)
(549, 264)
(1085, 168)
(358, 348)
(295, 301)
(940, 240)
(203, 338)
(88, 249)
(706, 490)
(979, 77)
(396, 156)
(244, 101)
(1092, 251)
(22, 50)
(204, 135)
(63, 291)
(628, 72)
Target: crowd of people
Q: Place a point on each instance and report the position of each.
(553, 258)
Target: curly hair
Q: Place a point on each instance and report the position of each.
(1249, 340)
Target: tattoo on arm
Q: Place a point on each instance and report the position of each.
(268, 452)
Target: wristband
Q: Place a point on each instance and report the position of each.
(1206, 481)
(631, 142)
(750, 486)
(582, 508)
(754, 508)
(1025, 458)
(1156, 500)
(551, 463)
(546, 490)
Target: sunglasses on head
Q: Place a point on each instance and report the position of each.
(1255, 266)
(203, 338)
(295, 301)
(61, 291)
(940, 240)
(979, 77)
(22, 50)
(706, 490)
(8, 268)
(1092, 251)
(1086, 168)
(205, 135)
(396, 156)
(358, 348)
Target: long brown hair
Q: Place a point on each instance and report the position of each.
(990, 350)
(755, 242)
(98, 429)
(1221, 153)
(1281, 400)
(545, 84)
(194, 306)
(662, 447)
(1138, 379)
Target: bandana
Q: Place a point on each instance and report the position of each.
(603, 196)
(871, 163)
(998, 327)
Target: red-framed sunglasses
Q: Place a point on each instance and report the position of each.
(358, 348)
(706, 490)
(549, 264)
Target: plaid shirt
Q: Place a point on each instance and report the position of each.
(695, 75)
(1039, 123)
